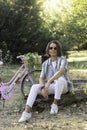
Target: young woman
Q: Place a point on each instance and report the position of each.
(53, 80)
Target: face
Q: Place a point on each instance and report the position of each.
(53, 50)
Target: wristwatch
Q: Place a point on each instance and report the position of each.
(42, 87)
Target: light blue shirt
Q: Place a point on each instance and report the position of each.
(48, 71)
(47, 68)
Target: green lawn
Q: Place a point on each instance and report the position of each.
(77, 66)
(77, 60)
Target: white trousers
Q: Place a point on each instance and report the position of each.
(57, 88)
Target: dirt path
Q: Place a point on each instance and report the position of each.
(73, 117)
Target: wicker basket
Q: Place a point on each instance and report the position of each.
(32, 60)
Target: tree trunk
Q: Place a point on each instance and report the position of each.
(66, 99)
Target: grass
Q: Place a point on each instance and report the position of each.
(77, 53)
(77, 60)
(6, 72)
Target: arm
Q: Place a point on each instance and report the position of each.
(62, 70)
(54, 77)
(42, 81)
(57, 75)
(42, 76)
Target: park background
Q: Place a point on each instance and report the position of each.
(26, 26)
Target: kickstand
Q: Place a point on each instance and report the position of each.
(3, 103)
(2, 100)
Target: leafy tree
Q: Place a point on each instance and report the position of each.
(21, 26)
(28, 25)
(78, 25)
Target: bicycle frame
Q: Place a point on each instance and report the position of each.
(6, 88)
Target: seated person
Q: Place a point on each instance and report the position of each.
(53, 80)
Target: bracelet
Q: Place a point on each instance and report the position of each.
(42, 87)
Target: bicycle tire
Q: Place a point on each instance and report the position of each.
(36, 75)
(25, 86)
(27, 83)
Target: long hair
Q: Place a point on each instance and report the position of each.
(58, 45)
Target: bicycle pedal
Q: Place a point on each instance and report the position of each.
(3, 103)
(25, 97)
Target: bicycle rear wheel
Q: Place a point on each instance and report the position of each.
(36, 75)
(25, 86)
(27, 83)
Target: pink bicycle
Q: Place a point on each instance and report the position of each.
(24, 76)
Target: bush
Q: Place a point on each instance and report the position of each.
(8, 58)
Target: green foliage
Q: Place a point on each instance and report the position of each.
(8, 58)
(67, 23)
(20, 27)
(33, 60)
(28, 25)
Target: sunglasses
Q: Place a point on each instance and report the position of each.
(53, 48)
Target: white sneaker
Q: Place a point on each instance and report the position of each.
(25, 116)
(54, 109)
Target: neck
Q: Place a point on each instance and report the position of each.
(53, 58)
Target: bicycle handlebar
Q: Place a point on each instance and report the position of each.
(21, 57)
